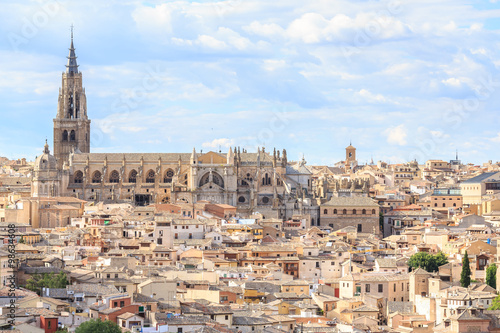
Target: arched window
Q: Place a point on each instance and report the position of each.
(454, 204)
(96, 177)
(65, 135)
(132, 176)
(266, 180)
(344, 212)
(168, 176)
(444, 205)
(354, 211)
(150, 177)
(373, 211)
(77, 106)
(72, 136)
(216, 178)
(325, 212)
(78, 177)
(70, 106)
(335, 211)
(363, 211)
(114, 177)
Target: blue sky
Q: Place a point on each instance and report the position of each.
(402, 80)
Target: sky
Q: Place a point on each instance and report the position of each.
(401, 80)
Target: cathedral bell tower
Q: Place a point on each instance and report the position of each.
(71, 125)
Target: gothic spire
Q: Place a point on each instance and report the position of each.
(72, 67)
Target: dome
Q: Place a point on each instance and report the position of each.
(46, 161)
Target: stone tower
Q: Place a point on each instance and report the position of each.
(71, 125)
(350, 157)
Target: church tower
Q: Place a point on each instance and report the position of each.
(350, 157)
(71, 125)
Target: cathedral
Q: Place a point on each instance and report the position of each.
(261, 182)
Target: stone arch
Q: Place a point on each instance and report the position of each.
(169, 175)
(132, 176)
(72, 135)
(114, 177)
(216, 179)
(65, 135)
(96, 177)
(78, 178)
(150, 176)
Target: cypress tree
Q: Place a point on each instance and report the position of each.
(465, 275)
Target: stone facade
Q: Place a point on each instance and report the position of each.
(359, 212)
(253, 182)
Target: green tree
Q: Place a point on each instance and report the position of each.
(440, 259)
(495, 305)
(93, 326)
(491, 276)
(465, 275)
(427, 261)
(51, 280)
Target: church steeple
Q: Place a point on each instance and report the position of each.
(71, 125)
(72, 67)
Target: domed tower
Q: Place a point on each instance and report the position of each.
(71, 125)
(46, 180)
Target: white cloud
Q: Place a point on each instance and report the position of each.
(157, 20)
(496, 138)
(265, 30)
(363, 29)
(396, 135)
(452, 81)
(216, 143)
(222, 39)
(371, 97)
(211, 42)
